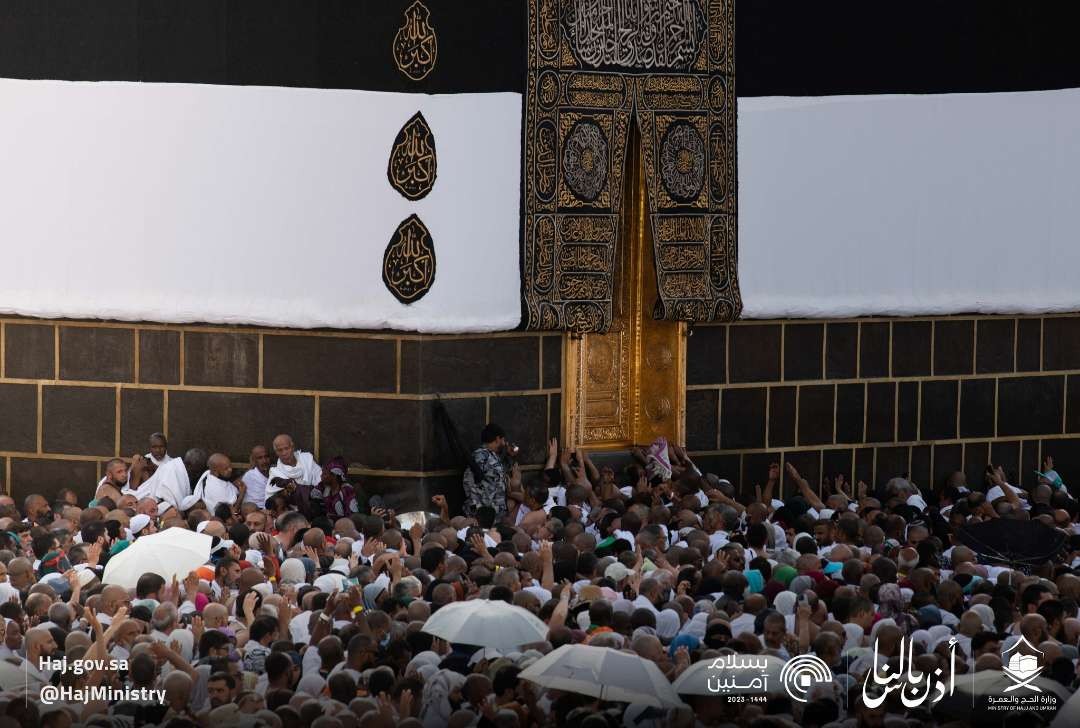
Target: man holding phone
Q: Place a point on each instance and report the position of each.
(487, 479)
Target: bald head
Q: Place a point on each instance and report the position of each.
(112, 597)
(178, 686)
(215, 615)
(1033, 628)
(39, 642)
(220, 466)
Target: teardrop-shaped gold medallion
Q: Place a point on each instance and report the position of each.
(415, 45)
(409, 261)
(413, 164)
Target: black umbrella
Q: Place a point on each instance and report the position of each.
(1013, 543)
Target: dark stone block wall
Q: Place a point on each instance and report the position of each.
(74, 394)
(875, 398)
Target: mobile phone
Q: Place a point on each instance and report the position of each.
(352, 582)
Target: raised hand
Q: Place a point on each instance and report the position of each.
(249, 605)
(191, 585)
(774, 471)
(439, 501)
(476, 542)
(372, 546)
(386, 707)
(93, 551)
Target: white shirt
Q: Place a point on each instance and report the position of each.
(743, 623)
(184, 637)
(556, 497)
(717, 541)
(642, 603)
(255, 487)
(997, 492)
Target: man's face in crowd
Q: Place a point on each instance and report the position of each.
(27, 540)
(158, 448)
(232, 575)
(255, 521)
(219, 693)
(260, 459)
(118, 473)
(823, 534)
(735, 559)
(45, 645)
(13, 637)
(773, 632)
(285, 450)
(1044, 597)
(38, 510)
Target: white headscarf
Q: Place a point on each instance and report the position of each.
(854, 635)
(785, 603)
(667, 625)
(696, 625)
(435, 708)
(986, 614)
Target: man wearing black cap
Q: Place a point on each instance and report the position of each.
(485, 482)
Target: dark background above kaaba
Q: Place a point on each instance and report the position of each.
(785, 47)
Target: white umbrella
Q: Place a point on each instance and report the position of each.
(732, 674)
(1068, 714)
(15, 679)
(603, 673)
(173, 552)
(486, 623)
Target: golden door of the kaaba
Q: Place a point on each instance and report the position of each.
(627, 386)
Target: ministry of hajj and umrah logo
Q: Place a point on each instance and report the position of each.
(415, 46)
(1022, 668)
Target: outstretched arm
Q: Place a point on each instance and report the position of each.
(804, 488)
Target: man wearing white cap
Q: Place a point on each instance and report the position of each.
(141, 525)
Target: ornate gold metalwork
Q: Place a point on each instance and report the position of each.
(409, 261)
(413, 164)
(415, 46)
(627, 385)
(594, 66)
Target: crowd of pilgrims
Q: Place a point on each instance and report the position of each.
(311, 608)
